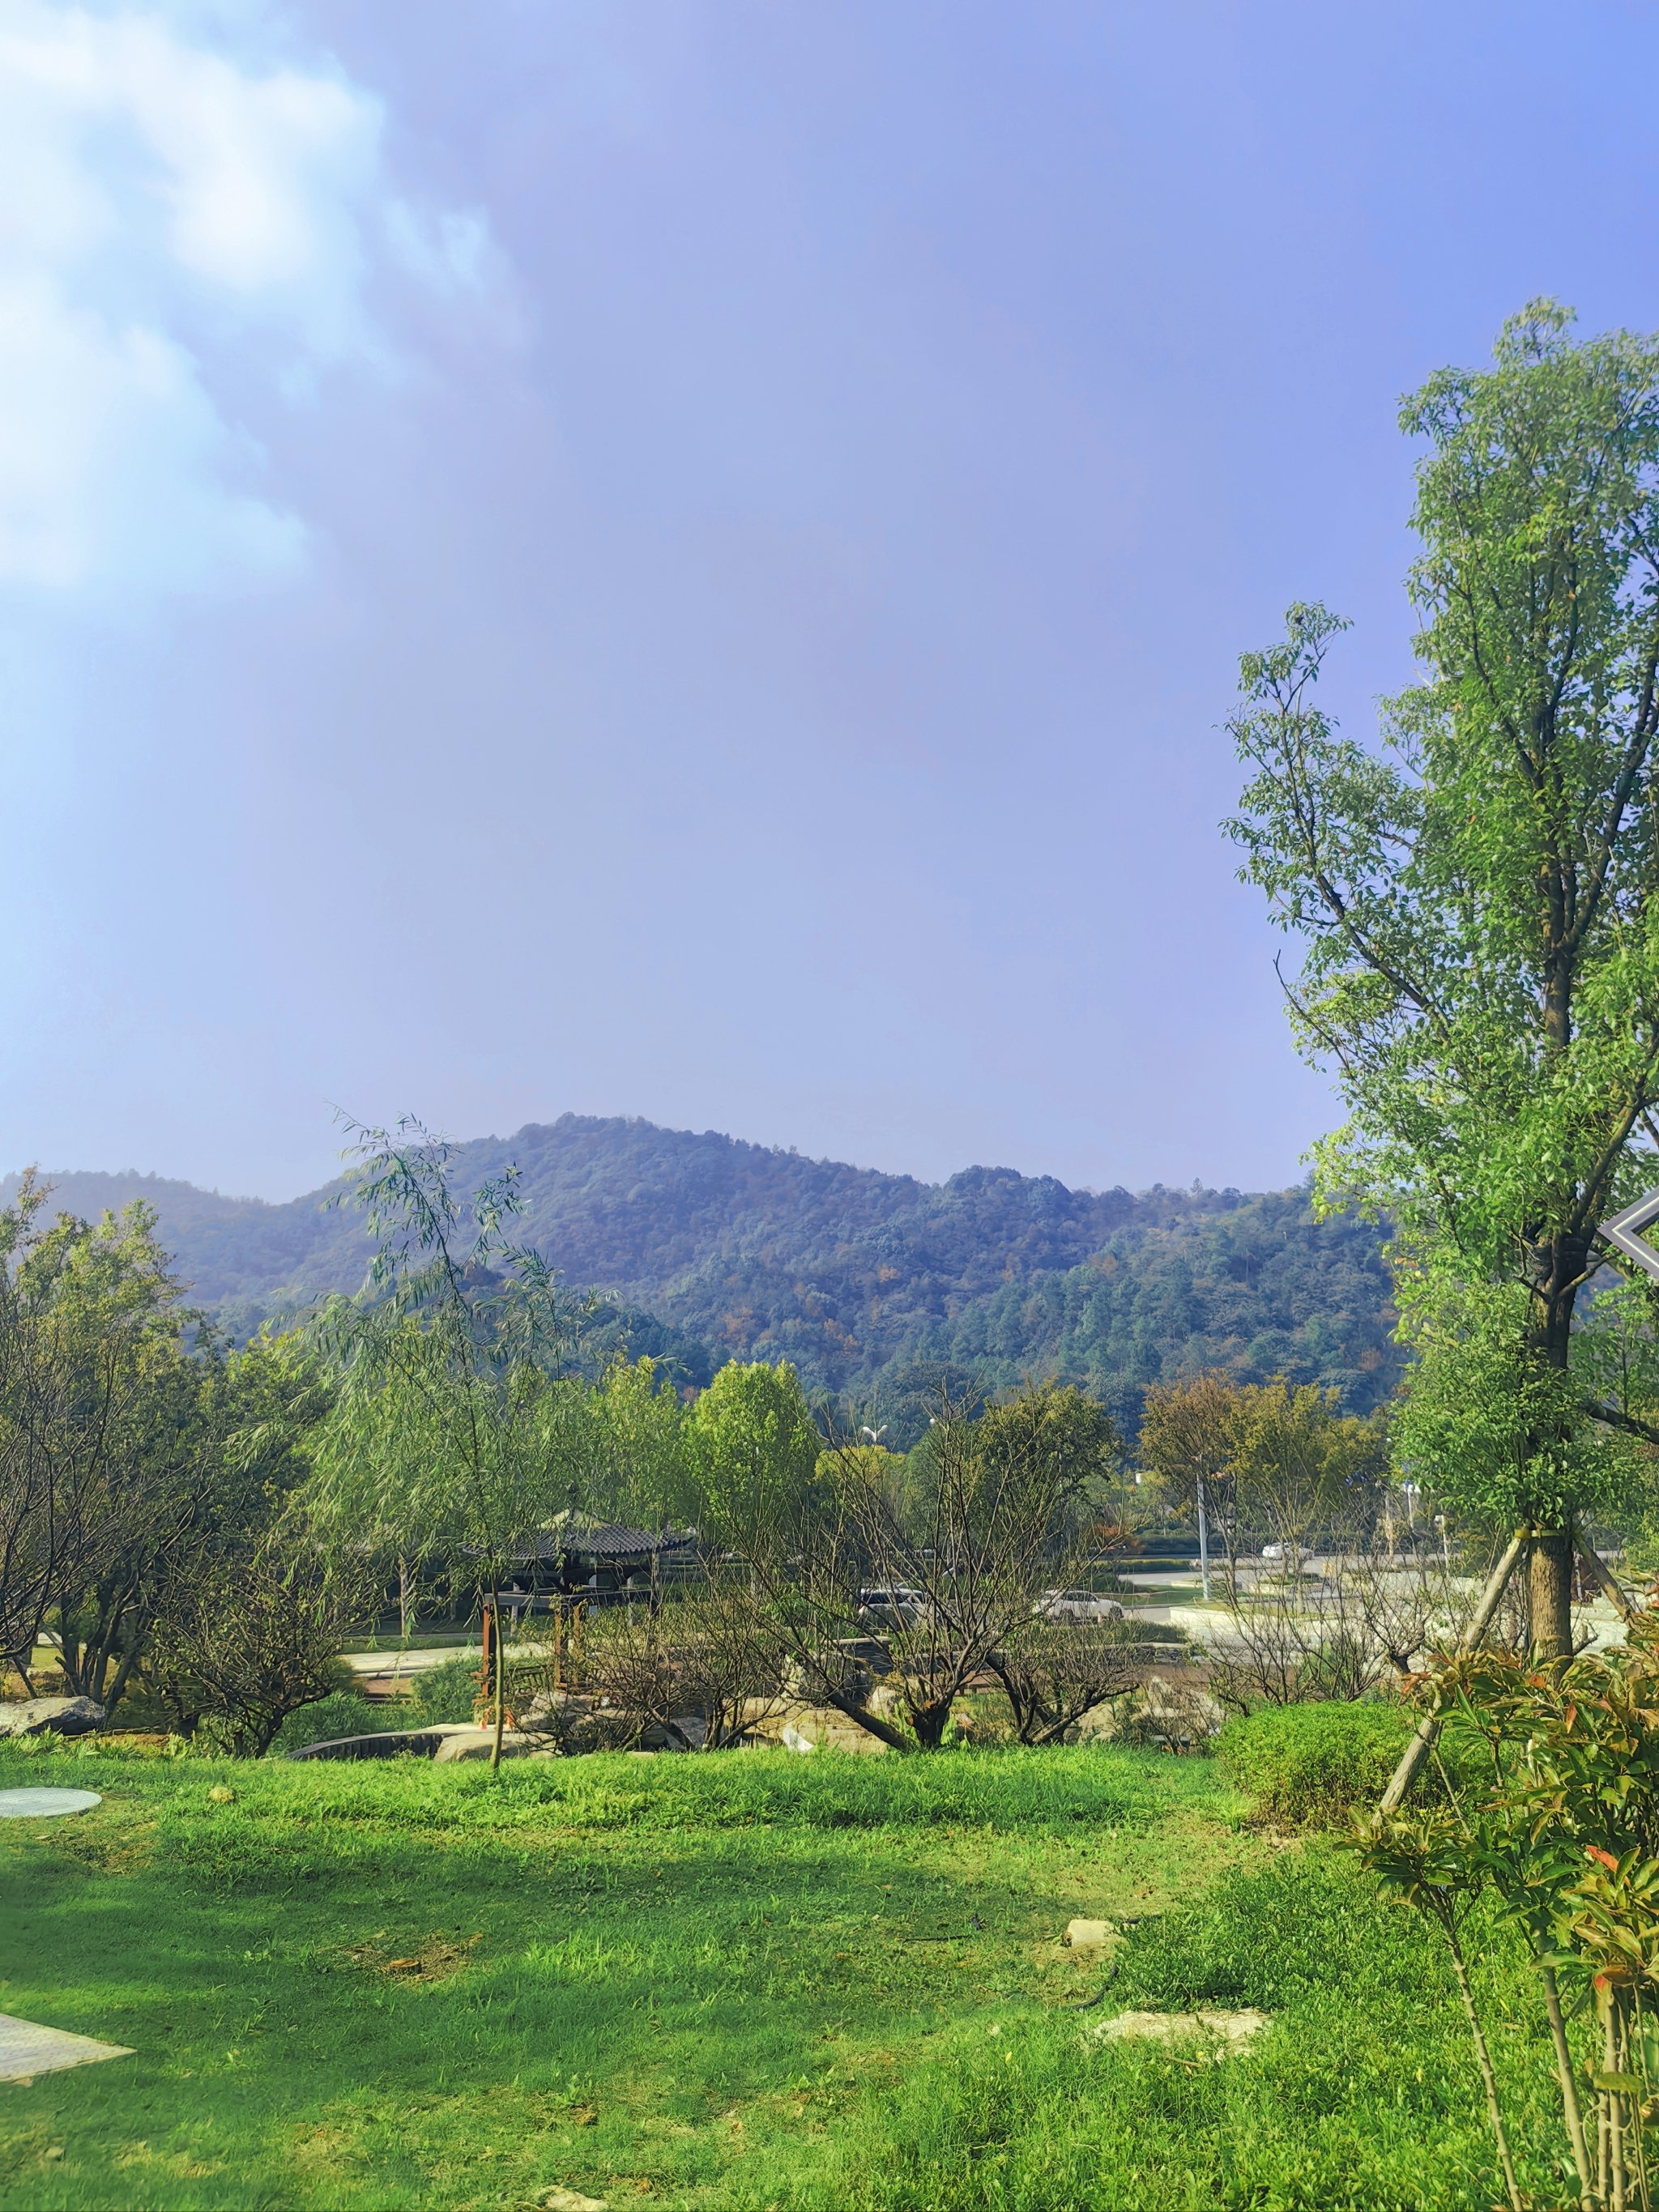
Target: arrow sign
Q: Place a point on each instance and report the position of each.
(1623, 1232)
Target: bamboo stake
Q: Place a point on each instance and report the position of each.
(1479, 1621)
(1603, 1577)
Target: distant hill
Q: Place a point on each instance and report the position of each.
(872, 1284)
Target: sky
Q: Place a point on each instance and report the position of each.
(689, 557)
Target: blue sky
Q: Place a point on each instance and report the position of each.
(690, 559)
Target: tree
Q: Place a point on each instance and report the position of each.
(641, 1469)
(88, 1329)
(216, 1449)
(1189, 1435)
(1477, 903)
(1279, 1460)
(706, 1669)
(753, 1446)
(440, 1441)
(991, 1509)
(253, 1636)
(1055, 1673)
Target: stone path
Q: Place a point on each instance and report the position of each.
(27, 2050)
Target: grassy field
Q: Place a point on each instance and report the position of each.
(746, 1981)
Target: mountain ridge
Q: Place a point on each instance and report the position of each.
(858, 1275)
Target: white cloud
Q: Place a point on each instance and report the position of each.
(180, 212)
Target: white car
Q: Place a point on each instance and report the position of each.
(894, 1605)
(1077, 1605)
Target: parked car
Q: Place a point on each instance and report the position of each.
(893, 1605)
(1275, 1552)
(1077, 1605)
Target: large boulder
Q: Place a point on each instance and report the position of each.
(51, 1715)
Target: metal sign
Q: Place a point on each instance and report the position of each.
(1623, 1232)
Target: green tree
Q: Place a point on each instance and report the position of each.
(753, 1449)
(89, 1348)
(216, 1449)
(1477, 905)
(643, 1473)
(440, 1443)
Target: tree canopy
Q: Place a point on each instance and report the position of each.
(1477, 900)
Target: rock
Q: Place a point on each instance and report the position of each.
(53, 1716)
(1229, 2031)
(572, 2200)
(478, 1743)
(1174, 1716)
(1089, 1935)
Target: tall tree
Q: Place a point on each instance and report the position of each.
(88, 1341)
(754, 1447)
(1478, 901)
(438, 1442)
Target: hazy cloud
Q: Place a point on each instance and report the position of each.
(190, 221)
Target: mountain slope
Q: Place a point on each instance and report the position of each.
(860, 1278)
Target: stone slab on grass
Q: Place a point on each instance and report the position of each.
(42, 1804)
(27, 2049)
(1228, 2031)
(1091, 1935)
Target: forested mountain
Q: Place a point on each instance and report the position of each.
(869, 1283)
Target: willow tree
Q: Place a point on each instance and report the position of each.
(1477, 897)
(443, 1442)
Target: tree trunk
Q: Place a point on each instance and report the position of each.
(1549, 1591)
(500, 1689)
(1549, 1566)
(930, 1720)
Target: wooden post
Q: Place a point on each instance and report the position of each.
(1479, 1621)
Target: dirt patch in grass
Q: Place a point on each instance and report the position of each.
(433, 1959)
(119, 1848)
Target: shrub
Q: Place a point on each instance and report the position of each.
(343, 1712)
(1314, 1766)
(250, 1641)
(445, 1692)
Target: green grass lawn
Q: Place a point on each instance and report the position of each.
(743, 1981)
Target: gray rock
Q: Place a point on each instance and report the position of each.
(53, 1716)
(465, 1743)
(1228, 2031)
